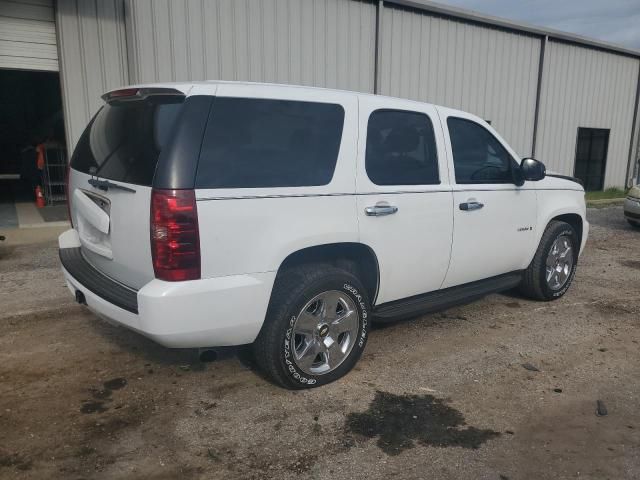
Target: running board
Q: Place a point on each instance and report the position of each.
(442, 299)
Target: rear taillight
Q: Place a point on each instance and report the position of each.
(175, 241)
(67, 192)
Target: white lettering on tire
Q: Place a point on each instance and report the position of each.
(363, 307)
(290, 365)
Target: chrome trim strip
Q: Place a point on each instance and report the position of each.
(399, 192)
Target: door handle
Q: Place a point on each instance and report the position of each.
(471, 206)
(380, 210)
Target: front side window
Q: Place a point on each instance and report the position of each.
(401, 149)
(261, 143)
(478, 157)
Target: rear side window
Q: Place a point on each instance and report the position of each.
(258, 143)
(401, 149)
(478, 157)
(124, 140)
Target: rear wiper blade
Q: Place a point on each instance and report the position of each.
(105, 185)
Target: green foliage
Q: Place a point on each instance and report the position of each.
(613, 192)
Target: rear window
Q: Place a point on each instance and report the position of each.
(254, 143)
(124, 140)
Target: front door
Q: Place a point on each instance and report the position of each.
(494, 220)
(404, 198)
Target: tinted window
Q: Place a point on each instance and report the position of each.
(124, 140)
(478, 157)
(401, 149)
(252, 143)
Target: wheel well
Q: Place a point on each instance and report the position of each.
(575, 221)
(354, 257)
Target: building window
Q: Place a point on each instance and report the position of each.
(401, 149)
(591, 157)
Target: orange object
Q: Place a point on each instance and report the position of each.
(39, 198)
(40, 156)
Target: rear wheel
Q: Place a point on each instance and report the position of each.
(553, 267)
(316, 327)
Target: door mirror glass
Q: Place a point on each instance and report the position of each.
(532, 170)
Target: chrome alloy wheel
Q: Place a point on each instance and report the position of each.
(324, 332)
(559, 262)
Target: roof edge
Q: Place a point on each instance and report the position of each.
(470, 15)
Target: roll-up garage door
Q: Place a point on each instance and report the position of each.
(28, 35)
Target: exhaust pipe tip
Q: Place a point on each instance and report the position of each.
(80, 298)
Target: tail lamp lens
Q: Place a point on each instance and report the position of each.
(175, 240)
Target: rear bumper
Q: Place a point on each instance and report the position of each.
(210, 312)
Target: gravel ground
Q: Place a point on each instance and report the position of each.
(442, 396)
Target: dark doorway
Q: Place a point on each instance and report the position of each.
(591, 157)
(31, 129)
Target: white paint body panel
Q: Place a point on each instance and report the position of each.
(556, 197)
(414, 244)
(246, 234)
(255, 229)
(123, 252)
(497, 238)
(210, 312)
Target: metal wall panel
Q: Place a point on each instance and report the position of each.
(28, 35)
(328, 43)
(583, 87)
(93, 57)
(488, 72)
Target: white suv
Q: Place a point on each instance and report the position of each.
(212, 214)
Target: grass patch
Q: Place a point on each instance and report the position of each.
(613, 192)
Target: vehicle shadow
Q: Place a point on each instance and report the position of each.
(148, 351)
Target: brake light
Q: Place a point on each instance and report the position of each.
(125, 92)
(128, 94)
(175, 240)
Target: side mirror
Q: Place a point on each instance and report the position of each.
(532, 170)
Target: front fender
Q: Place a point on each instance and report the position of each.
(555, 203)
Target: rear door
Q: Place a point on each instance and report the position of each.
(111, 175)
(494, 220)
(404, 199)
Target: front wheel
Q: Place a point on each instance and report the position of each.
(316, 327)
(553, 267)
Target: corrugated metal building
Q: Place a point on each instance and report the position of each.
(572, 102)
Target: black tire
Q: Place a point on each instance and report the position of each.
(633, 223)
(292, 291)
(534, 284)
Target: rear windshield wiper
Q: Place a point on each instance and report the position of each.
(105, 185)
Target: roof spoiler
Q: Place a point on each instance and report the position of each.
(130, 94)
